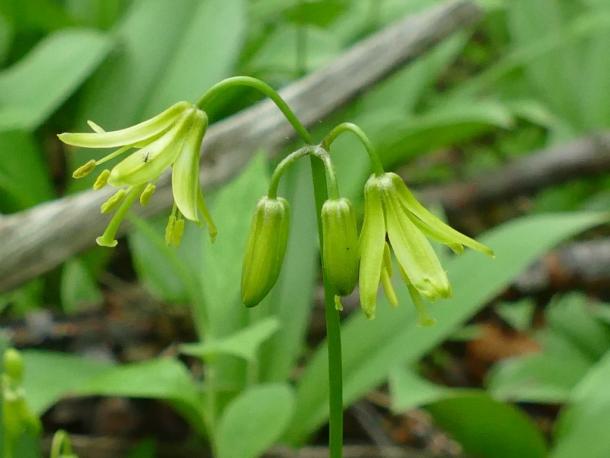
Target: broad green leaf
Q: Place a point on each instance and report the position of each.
(96, 13)
(254, 421)
(164, 378)
(582, 429)
(408, 390)
(78, 289)
(220, 274)
(49, 376)
(486, 427)
(33, 88)
(36, 15)
(207, 52)
(445, 126)
(553, 74)
(517, 314)
(572, 342)
(161, 268)
(221, 262)
(24, 180)
(244, 343)
(6, 37)
(316, 12)
(192, 49)
(539, 377)
(291, 299)
(571, 317)
(279, 52)
(372, 348)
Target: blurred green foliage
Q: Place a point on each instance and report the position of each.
(533, 73)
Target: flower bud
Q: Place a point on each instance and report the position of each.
(265, 249)
(13, 364)
(340, 245)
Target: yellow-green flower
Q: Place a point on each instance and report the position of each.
(170, 139)
(392, 211)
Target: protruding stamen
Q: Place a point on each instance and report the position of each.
(108, 238)
(423, 317)
(149, 190)
(388, 288)
(202, 207)
(84, 169)
(169, 228)
(101, 180)
(174, 229)
(114, 154)
(113, 201)
(338, 304)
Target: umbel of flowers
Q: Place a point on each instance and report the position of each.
(394, 221)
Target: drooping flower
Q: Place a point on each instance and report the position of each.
(340, 246)
(170, 139)
(265, 249)
(392, 211)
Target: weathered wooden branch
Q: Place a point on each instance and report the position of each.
(36, 240)
(579, 265)
(584, 157)
(106, 447)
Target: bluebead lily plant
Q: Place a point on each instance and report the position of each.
(394, 221)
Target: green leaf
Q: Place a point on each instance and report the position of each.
(409, 390)
(244, 343)
(445, 126)
(33, 88)
(571, 317)
(23, 173)
(221, 261)
(372, 348)
(49, 376)
(254, 421)
(164, 378)
(571, 343)
(206, 53)
(162, 269)
(198, 44)
(78, 289)
(320, 13)
(517, 314)
(486, 427)
(582, 429)
(299, 272)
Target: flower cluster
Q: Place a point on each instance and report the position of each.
(170, 139)
(394, 222)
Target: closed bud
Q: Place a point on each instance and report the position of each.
(13, 364)
(340, 245)
(265, 249)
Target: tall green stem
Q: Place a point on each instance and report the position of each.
(333, 330)
(320, 174)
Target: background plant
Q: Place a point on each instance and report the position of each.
(487, 96)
